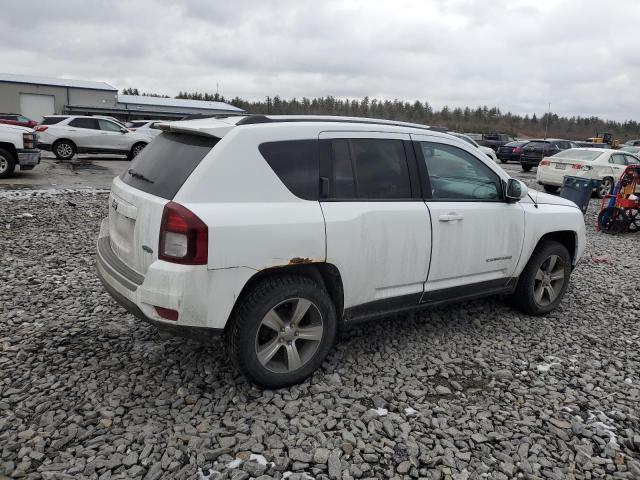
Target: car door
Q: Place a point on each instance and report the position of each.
(477, 236)
(84, 132)
(378, 227)
(112, 137)
(618, 164)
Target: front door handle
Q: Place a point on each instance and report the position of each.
(450, 217)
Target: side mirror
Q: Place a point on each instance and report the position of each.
(124, 130)
(515, 191)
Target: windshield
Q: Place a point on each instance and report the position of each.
(165, 164)
(576, 154)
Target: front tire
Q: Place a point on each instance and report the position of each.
(64, 149)
(544, 280)
(7, 163)
(282, 331)
(135, 150)
(550, 188)
(526, 168)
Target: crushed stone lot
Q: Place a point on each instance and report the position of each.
(471, 391)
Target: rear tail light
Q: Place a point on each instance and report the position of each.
(29, 140)
(545, 162)
(579, 166)
(41, 128)
(516, 150)
(184, 238)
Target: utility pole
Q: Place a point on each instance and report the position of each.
(546, 127)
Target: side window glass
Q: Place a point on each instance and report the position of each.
(342, 170)
(618, 159)
(108, 126)
(380, 168)
(455, 174)
(90, 123)
(295, 163)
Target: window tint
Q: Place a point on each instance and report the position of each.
(91, 123)
(632, 160)
(166, 163)
(455, 174)
(380, 168)
(295, 162)
(109, 126)
(24, 119)
(342, 170)
(8, 117)
(51, 120)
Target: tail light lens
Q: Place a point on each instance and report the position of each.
(167, 313)
(579, 166)
(545, 162)
(184, 238)
(29, 140)
(516, 150)
(41, 128)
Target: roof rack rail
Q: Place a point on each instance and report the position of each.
(257, 119)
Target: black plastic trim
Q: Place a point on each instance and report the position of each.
(406, 303)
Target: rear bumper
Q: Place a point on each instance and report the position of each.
(138, 294)
(28, 157)
(547, 176)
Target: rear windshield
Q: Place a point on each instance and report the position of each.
(51, 120)
(166, 163)
(538, 144)
(573, 154)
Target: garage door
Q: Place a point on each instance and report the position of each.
(36, 106)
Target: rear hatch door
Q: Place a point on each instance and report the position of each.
(139, 195)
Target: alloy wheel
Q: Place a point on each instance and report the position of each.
(4, 164)
(289, 335)
(137, 149)
(549, 280)
(605, 187)
(64, 150)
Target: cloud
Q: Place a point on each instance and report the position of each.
(519, 55)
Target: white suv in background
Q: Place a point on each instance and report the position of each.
(67, 135)
(276, 231)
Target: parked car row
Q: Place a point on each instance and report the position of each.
(589, 163)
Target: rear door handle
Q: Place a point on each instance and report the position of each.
(450, 217)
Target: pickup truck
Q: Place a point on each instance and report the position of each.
(494, 140)
(17, 148)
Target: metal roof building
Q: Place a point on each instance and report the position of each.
(36, 96)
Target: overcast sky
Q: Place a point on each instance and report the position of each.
(583, 56)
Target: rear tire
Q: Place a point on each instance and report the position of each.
(550, 188)
(64, 149)
(504, 160)
(544, 280)
(605, 188)
(271, 342)
(135, 150)
(7, 163)
(526, 168)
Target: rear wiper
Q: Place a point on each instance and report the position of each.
(135, 174)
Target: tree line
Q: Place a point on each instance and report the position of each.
(481, 119)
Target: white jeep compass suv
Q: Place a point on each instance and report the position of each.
(276, 231)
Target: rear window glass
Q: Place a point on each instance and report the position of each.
(295, 162)
(166, 163)
(538, 144)
(573, 154)
(51, 120)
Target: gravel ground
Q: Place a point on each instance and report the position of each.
(472, 391)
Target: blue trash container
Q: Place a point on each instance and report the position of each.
(579, 190)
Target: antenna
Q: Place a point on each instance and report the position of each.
(546, 127)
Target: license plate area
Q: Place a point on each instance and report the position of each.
(560, 166)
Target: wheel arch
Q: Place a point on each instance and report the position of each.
(11, 148)
(58, 140)
(567, 238)
(325, 274)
